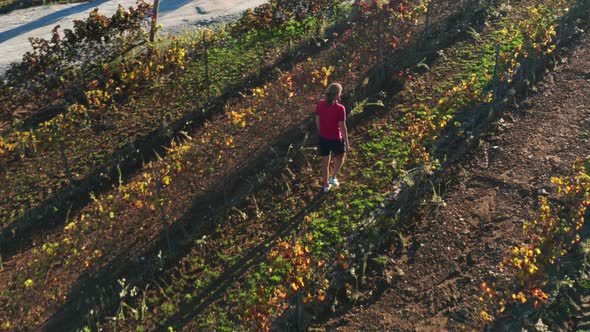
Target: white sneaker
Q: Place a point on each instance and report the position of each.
(334, 181)
(326, 189)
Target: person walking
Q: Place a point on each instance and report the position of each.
(330, 121)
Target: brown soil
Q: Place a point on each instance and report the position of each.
(450, 249)
(456, 243)
(121, 243)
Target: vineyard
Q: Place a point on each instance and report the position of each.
(173, 184)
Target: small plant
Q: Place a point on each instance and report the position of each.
(169, 309)
(550, 236)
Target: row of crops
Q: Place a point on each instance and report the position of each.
(226, 229)
(87, 105)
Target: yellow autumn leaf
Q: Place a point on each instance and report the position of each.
(485, 316)
(29, 283)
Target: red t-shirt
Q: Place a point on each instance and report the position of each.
(330, 117)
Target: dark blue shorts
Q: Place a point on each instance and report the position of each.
(337, 147)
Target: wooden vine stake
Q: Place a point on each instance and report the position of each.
(426, 23)
(64, 157)
(261, 53)
(299, 304)
(495, 81)
(206, 54)
(495, 76)
(162, 209)
(154, 28)
(379, 40)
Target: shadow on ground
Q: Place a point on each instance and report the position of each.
(102, 288)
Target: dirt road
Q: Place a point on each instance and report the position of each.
(18, 26)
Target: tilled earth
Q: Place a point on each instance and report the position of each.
(458, 240)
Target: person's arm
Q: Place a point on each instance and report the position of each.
(344, 133)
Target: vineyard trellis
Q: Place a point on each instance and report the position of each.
(100, 99)
(421, 125)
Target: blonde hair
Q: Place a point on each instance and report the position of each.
(332, 92)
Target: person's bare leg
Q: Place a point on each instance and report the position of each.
(325, 170)
(338, 162)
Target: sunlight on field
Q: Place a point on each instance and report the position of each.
(161, 181)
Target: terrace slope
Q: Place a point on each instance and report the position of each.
(455, 246)
(221, 275)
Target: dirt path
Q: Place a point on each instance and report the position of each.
(433, 285)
